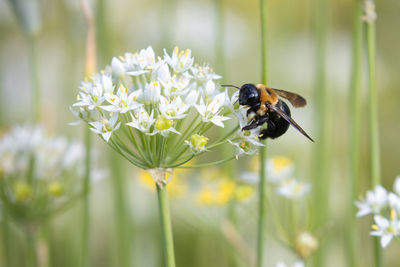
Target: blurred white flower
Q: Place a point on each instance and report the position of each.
(39, 174)
(396, 185)
(279, 168)
(374, 201)
(386, 229)
(298, 263)
(292, 188)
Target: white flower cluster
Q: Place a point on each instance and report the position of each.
(148, 107)
(385, 206)
(280, 171)
(39, 171)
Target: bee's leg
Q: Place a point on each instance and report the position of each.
(252, 125)
(255, 123)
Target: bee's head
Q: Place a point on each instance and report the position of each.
(248, 95)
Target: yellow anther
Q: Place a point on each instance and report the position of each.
(181, 54)
(392, 214)
(374, 227)
(176, 50)
(187, 52)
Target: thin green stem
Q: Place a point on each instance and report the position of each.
(6, 237)
(31, 246)
(85, 261)
(121, 213)
(166, 227)
(263, 150)
(355, 123)
(373, 120)
(33, 65)
(208, 164)
(262, 198)
(320, 194)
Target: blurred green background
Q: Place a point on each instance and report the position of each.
(131, 25)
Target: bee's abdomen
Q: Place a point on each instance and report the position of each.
(277, 125)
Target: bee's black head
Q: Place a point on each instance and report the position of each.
(248, 95)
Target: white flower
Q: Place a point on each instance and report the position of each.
(192, 97)
(197, 143)
(146, 58)
(394, 202)
(210, 111)
(396, 185)
(122, 102)
(151, 93)
(174, 110)
(374, 201)
(180, 61)
(202, 74)
(105, 127)
(249, 177)
(92, 93)
(174, 86)
(279, 168)
(243, 146)
(117, 67)
(142, 120)
(210, 88)
(386, 229)
(292, 188)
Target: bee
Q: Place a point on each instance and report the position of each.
(265, 106)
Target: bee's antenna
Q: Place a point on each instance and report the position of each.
(229, 85)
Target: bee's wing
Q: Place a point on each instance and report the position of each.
(288, 119)
(296, 100)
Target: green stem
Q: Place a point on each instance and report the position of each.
(31, 246)
(262, 199)
(6, 237)
(86, 204)
(121, 213)
(166, 227)
(355, 123)
(263, 150)
(321, 186)
(33, 65)
(373, 120)
(208, 163)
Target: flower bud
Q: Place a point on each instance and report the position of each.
(198, 142)
(163, 123)
(55, 189)
(22, 191)
(306, 244)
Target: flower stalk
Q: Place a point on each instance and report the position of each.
(355, 123)
(322, 121)
(166, 227)
(262, 150)
(90, 66)
(369, 19)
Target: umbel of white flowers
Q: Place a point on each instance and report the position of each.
(39, 175)
(157, 111)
